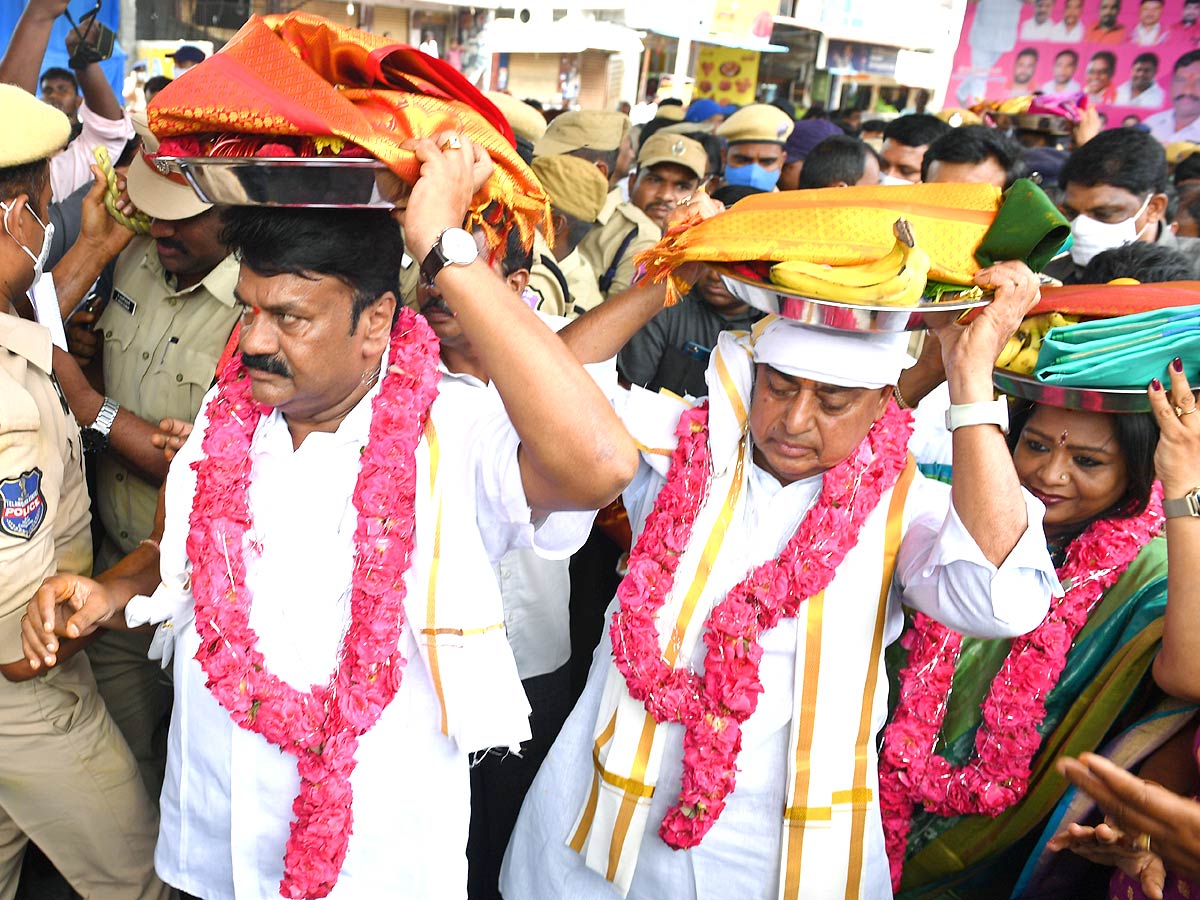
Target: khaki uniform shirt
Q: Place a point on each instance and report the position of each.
(600, 246)
(542, 281)
(161, 348)
(582, 282)
(43, 498)
(410, 274)
(611, 202)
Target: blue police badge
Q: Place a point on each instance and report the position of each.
(22, 505)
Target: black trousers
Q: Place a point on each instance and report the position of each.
(500, 780)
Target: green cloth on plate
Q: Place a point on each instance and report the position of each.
(1028, 227)
(1124, 352)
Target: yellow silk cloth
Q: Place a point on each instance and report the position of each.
(301, 75)
(838, 227)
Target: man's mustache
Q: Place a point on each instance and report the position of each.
(169, 244)
(272, 365)
(436, 303)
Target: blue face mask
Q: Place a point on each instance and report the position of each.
(753, 175)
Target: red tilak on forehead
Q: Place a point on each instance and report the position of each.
(1062, 439)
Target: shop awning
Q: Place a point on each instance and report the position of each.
(570, 34)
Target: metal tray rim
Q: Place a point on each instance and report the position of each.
(1112, 400)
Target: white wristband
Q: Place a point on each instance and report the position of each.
(990, 412)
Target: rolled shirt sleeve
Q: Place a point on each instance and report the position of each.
(505, 520)
(942, 572)
(71, 169)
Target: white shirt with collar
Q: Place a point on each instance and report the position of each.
(1151, 98)
(227, 797)
(1064, 34)
(535, 589)
(1032, 30)
(1149, 37)
(1162, 126)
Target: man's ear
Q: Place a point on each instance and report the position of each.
(15, 223)
(559, 221)
(518, 280)
(885, 397)
(602, 166)
(375, 323)
(1156, 210)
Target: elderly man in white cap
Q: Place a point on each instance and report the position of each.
(779, 531)
(158, 341)
(70, 783)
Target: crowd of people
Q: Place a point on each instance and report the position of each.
(438, 549)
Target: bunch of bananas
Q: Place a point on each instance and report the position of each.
(1021, 352)
(138, 223)
(897, 279)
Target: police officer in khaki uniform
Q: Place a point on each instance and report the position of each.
(170, 315)
(577, 192)
(604, 141)
(546, 278)
(70, 782)
(757, 135)
(669, 169)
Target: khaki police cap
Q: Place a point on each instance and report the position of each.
(160, 195)
(672, 112)
(33, 130)
(673, 148)
(165, 195)
(584, 130)
(526, 121)
(757, 123)
(575, 185)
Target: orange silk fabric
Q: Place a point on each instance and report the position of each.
(839, 227)
(299, 74)
(1104, 301)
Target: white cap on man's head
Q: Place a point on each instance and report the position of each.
(852, 359)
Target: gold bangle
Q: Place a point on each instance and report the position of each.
(899, 397)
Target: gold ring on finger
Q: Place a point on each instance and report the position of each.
(452, 143)
(1184, 412)
(1142, 842)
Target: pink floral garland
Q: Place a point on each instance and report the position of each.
(997, 776)
(712, 706)
(320, 727)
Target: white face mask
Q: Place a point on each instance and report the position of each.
(894, 181)
(1091, 237)
(39, 261)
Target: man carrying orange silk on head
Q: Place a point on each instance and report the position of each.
(327, 590)
(725, 743)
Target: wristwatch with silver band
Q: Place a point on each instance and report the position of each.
(95, 436)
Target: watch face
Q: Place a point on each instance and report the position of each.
(459, 246)
(93, 441)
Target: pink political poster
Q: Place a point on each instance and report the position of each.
(1139, 62)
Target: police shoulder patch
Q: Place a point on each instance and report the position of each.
(22, 505)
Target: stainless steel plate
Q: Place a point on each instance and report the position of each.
(324, 182)
(1095, 399)
(772, 299)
